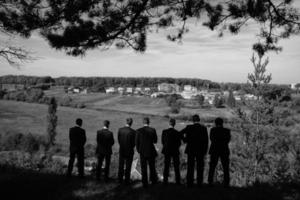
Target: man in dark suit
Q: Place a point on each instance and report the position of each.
(220, 138)
(171, 141)
(105, 141)
(196, 138)
(145, 139)
(77, 140)
(126, 139)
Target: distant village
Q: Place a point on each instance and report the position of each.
(187, 92)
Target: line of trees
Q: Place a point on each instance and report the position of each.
(107, 81)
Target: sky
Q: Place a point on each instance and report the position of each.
(202, 54)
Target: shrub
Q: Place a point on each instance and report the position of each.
(219, 101)
(66, 101)
(80, 105)
(2, 93)
(17, 141)
(175, 107)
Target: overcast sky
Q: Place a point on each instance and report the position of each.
(201, 55)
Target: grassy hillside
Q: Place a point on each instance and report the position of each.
(31, 118)
(136, 104)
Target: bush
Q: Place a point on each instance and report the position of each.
(17, 141)
(2, 93)
(175, 107)
(66, 101)
(80, 105)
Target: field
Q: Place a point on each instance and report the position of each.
(31, 118)
(136, 104)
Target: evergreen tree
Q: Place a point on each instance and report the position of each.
(231, 100)
(261, 153)
(200, 99)
(218, 101)
(52, 122)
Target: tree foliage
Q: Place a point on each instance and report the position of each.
(218, 101)
(200, 99)
(52, 122)
(231, 100)
(80, 25)
(269, 150)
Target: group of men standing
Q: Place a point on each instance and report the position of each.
(144, 139)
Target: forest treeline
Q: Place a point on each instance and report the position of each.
(114, 81)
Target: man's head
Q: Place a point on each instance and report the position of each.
(196, 118)
(172, 122)
(78, 122)
(146, 120)
(219, 122)
(129, 121)
(106, 123)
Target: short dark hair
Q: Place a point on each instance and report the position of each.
(78, 121)
(172, 122)
(129, 121)
(219, 121)
(196, 118)
(106, 123)
(146, 120)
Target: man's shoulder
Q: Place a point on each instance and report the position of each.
(77, 128)
(126, 129)
(227, 130)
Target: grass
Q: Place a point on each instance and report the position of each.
(31, 118)
(136, 104)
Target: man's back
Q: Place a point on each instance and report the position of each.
(77, 138)
(145, 140)
(171, 140)
(219, 138)
(126, 138)
(196, 139)
(105, 140)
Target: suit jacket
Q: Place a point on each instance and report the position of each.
(196, 138)
(220, 138)
(126, 139)
(145, 139)
(171, 141)
(77, 139)
(105, 141)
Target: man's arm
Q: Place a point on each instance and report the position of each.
(133, 138)
(119, 136)
(154, 136)
(163, 138)
(84, 138)
(183, 134)
(70, 135)
(112, 140)
(137, 141)
(205, 138)
(228, 136)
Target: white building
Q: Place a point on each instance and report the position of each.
(168, 87)
(293, 86)
(190, 88)
(129, 90)
(110, 90)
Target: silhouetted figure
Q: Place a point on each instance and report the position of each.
(126, 139)
(145, 139)
(171, 141)
(105, 141)
(196, 138)
(220, 138)
(77, 140)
